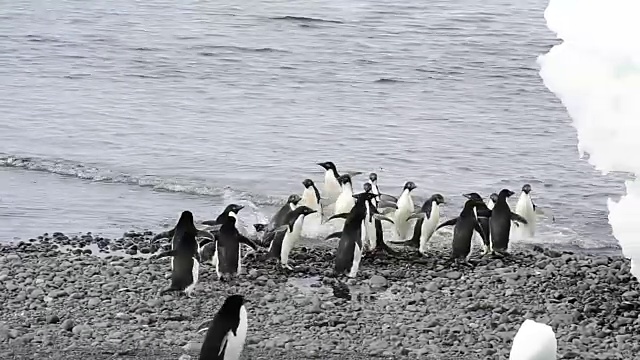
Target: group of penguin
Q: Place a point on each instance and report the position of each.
(362, 231)
(227, 332)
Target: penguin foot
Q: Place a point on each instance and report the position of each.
(286, 267)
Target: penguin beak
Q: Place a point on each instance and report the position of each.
(468, 196)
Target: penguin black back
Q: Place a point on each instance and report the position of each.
(227, 332)
(500, 222)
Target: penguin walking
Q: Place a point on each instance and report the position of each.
(463, 228)
(345, 200)
(170, 234)
(405, 209)
(349, 252)
(493, 199)
(227, 255)
(185, 256)
(332, 187)
(278, 219)
(427, 220)
(374, 235)
(534, 341)
(286, 237)
(227, 332)
(500, 223)
(484, 214)
(527, 209)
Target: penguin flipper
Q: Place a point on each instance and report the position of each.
(388, 198)
(418, 215)
(245, 240)
(165, 235)
(449, 222)
(518, 218)
(387, 204)
(382, 217)
(210, 222)
(352, 173)
(388, 210)
(337, 234)
(338, 216)
(205, 234)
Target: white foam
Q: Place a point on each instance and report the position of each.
(595, 72)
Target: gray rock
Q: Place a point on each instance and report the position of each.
(67, 325)
(378, 282)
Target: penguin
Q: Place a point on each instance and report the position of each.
(483, 213)
(345, 200)
(373, 180)
(534, 341)
(311, 196)
(227, 333)
(278, 219)
(170, 234)
(185, 257)
(405, 209)
(227, 256)
(349, 252)
(493, 199)
(332, 187)
(463, 227)
(500, 223)
(527, 209)
(427, 220)
(230, 210)
(286, 237)
(311, 199)
(374, 235)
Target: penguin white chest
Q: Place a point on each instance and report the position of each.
(345, 201)
(331, 185)
(524, 208)
(429, 226)
(235, 343)
(355, 264)
(369, 231)
(309, 199)
(405, 209)
(490, 204)
(195, 272)
(290, 239)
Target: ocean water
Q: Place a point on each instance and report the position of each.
(118, 116)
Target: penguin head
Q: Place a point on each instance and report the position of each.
(494, 197)
(470, 204)
(231, 306)
(367, 187)
(438, 198)
(526, 189)
(294, 199)
(307, 183)
(233, 208)
(186, 219)
(328, 165)
(344, 179)
(373, 177)
(304, 210)
(473, 196)
(409, 185)
(505, 193)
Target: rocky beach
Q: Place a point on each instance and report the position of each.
(74, 302)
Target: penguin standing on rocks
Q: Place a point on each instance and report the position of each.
(405, 209)
(185, 257)
(227, 256)
(349, 252)
(227, 332)
(286, 237)
(463, 227)
(427, 220)
(500, 223)
(483, 214)
(527, 209)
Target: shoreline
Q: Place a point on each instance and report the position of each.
(74, 305)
